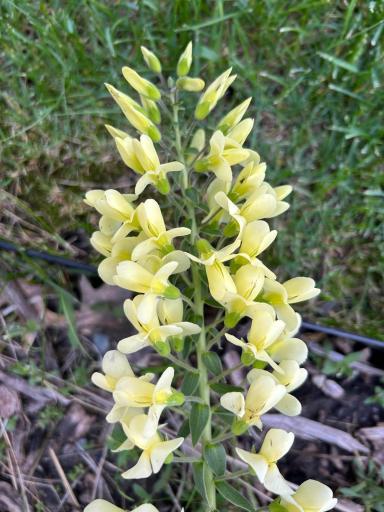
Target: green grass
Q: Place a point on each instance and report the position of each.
(314, 69)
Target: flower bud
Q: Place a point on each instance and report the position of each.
(151, 109)
(141, 85)
(187, 83)
(116, 133)
(185, 61)
(133, 112)
(151, 60)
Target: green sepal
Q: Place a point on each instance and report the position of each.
(162, 347)
(239, 427)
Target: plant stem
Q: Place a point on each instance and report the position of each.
(199, 310)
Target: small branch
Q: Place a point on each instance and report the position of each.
(225, 373)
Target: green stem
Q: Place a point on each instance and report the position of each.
(225, 373)
(199, 310)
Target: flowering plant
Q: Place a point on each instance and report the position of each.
(191, 257)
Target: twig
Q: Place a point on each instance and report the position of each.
(63, 477)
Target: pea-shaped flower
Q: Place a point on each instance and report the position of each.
(264, 332)
(152, 223)
(105, 506)
(150, 332)
(263, 394)
(214, 92)
(311, 496)
(115, 365)
(291, 376)
(233, 117)
(154, 449)
(276, 444)
(221, 157)
(280, 296)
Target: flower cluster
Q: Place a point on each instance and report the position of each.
(211, 260)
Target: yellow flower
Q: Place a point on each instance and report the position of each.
(132, 391)
(237, 135)
(311, 496)
(118, 217)
(280, 296)
(263, 394)
(187, 83)
(141, 312)
(152, 223)
(291, 376)
(213, 94)
(276, 444)
(141, 85)
(151, 60)
(256, 238)
(119, 251)
(249, 179)
(287, 347)
(134, 113)
(221, 157)
(105, 506)
(264, 331)
(115, 366)
(218, 275)
(185, 61)
(155, 451)
(154, 172)
(233, 117)
(240, 301)
(262, 204)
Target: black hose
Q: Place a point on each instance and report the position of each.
(90, 269)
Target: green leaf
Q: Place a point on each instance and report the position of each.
(68, 311)
(276, 507)
(190, 383)
(213, 362)
(230, 494)
(198, 419)
(202, 477)
(221, 388)
(214, 454)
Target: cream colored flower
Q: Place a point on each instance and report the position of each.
(290, 375)
(135, 277)
(311, 496)
(263, 394)
(221, 157)
(249, 179)
(264, 331)
(280, 296)
(118, 216)
(105, 506)
(158, 237)
(115, 365)
(141, 312)
(276, 444)
(256, 238)
(154, 450)
(287, 347)
(154, 172)
(240, 301)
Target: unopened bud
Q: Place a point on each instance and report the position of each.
(185, 61)
(151, 60)
(141, 85)
(187, 83)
